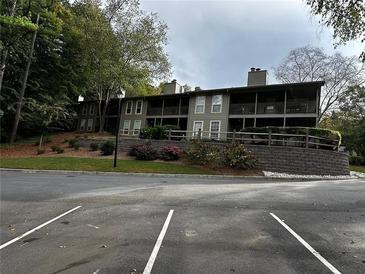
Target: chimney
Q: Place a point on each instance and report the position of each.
(257, 77)
(172, 88)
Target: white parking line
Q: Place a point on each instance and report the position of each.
(38, 227)
(311, 249)
(151, 261)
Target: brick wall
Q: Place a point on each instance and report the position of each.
(292, 160)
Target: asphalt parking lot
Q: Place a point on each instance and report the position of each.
(87, 223)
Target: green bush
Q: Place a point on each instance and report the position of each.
(357, 160)
(72, 142)
(146, 152)
(59, 150)
(235, 155)
(94, 146)
(107, 148)
(54, 148)
(154, 133)
(41, 151)
(76, 145)
(202, 153)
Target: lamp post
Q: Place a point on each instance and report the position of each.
(120, 97)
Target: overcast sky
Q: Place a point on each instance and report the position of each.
(214, 43)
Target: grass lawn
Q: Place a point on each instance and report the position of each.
(358, 168)
(90, 164)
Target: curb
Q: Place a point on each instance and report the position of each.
(225, 177)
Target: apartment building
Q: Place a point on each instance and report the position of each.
(213, 110)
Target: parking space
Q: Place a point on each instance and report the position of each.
(215, 227)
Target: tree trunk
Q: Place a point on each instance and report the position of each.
(5, 54)
(40, 141)
(24, 85)
(102, 117)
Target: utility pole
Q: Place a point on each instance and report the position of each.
(117, 133)
(24, 85)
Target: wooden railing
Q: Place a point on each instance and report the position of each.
(258, 138)
(251, 138)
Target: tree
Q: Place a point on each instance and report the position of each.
(50, 72)
(312, 64)
(346, 17)
(46, 113)
(24, 85)
(120, 51)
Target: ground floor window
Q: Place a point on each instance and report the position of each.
(136, 127)
(126, 127)
(198, 125)
(215, 127)
(82, 124)
(90, 124)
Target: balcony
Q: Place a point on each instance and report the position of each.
(301, 107)
(171, 111)
(184, 110)
(248, 108)
(270, 108)
(154, 111)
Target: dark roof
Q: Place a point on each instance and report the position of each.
(262, 87)
(232, 89)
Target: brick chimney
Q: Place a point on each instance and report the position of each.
(257, 77)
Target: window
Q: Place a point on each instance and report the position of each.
(82, 124)
(215, 127)
(84, 109)
(92, 109)
(217, 103)
(199, 104)
(139, 105)
(128, 108)
(136, 127)
(198, 125)
(126, 126)
(90, 124)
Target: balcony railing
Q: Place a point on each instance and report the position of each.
(245, 108)
(171, 110)
(154, 111)
(184, 110)
(301, 107)
(270, 108)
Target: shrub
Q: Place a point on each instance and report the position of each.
(146, 152)
(154, 133)
(41, 151)
(357, 160)
(54, 148)
(170, 153)
(202, 153)
(72, 142)
(235, 155)
(76, 145)
(133, 150)
(107, 148)
(94, 146)
(59, 150)
(46, 139)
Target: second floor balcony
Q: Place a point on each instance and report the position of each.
(168, 110)
(292, 107)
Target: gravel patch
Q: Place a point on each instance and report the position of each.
(353, 175)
